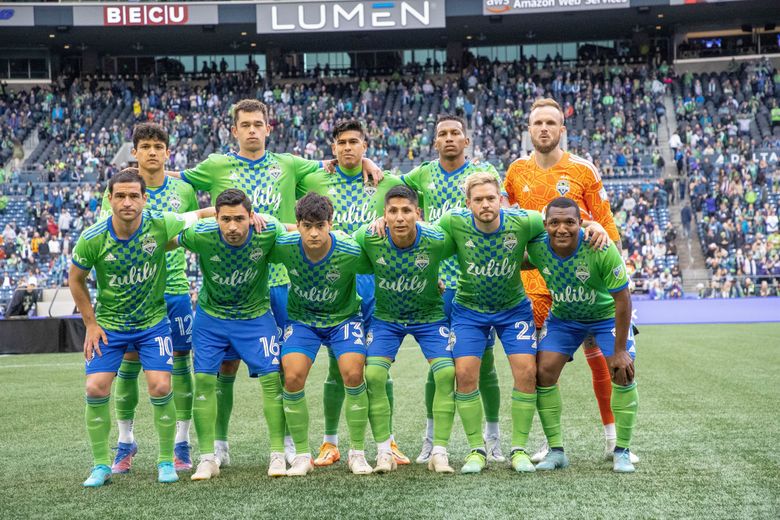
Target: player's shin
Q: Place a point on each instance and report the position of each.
(296, 414)
(332, 400)
(430, 392)
(443, 370)
(165, 424)
(550, 406)
(377, 370)
(126, 398)
(224, 391)
(390, 398)
(523, 409)
(97, 417)
(625, 402)
(470, 410)
(357, 415)
(204, 411)
(273, 410)
(182, 383)
(490, 390)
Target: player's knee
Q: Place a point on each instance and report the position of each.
(229, 368)
(545, 375)
(159, 388)
(97, 389)
(524, 375)
(353, 376)
(445, 377)
(466, 379)
(376, 377)
(294, 381)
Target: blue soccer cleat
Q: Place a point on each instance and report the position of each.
(99, 476)
(182, 460)
(621, 462)
(124, 457)
(555, 459)
(166, 473)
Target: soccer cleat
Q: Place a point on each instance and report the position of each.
(101, 474)
(621, 462)
(182, 460)
(166, 473)
(222, 452)
(521, 462)
(555, 459)
(541, 453)
(277, 467)
(475, 462)
(398, 455)
(329, 454)
(385, 462)
(358, 464)
(609, 452)
(493, 444)
(425, 452)
(300, 467)
(124, 457)
(208, 468)
(289, 450)
(440, 463)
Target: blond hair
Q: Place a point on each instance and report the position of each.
(545, 102)
(478, 179)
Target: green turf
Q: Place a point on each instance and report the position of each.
(707, 434)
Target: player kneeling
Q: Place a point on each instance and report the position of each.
(590, 296)
(323, 309)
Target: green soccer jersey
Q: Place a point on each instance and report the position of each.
(175, 196)
(580, 284)
(130, 273)
(354, 203)
(406, 281)
(269, 181)
(322, 294)
(235, 278)
(490, 263)
(441, 191)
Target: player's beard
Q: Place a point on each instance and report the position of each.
(545, 148)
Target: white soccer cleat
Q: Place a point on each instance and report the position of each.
(207, 468)
(222, 452)
(493, 446)
(542, 452)
(425, 452)
(385, 462)
(277, 466)
(440, 463)
(300, 467)
(358, 464)
(609, 452)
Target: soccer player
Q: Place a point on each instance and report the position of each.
(532, 182)
(355, 203)
(127, 251)
(234, 314)
(150, 148)
(490, 244)
(323, 309)
(406, 273)
(590, 296)
(440, 186)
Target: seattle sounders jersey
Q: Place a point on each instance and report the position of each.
(354, 203)
(441, 191)
(406, 281)
(235, 278)
(130, 273)
(580, 284)
(490, 263)
(322, 294)
(269, 182)
(175, 196)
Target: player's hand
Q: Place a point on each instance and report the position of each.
(259, 222)
(377, 227)
(597, 235)
(441, 287)
(92, 341)
(621, 368)
(330, 166)
(372, 174)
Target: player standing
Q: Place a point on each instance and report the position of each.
(590, 296)
(127, 251)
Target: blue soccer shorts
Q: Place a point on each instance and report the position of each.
(180, 315)
(566, 336)
(449, 296)
(154, 347)
(365, 289)
(340, 339)
(471, 330)
(385, 338)
(279, 306)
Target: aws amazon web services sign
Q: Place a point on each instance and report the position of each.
(303, 17)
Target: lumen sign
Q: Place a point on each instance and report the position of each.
(303, 17)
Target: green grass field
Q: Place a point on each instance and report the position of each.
(707, 435)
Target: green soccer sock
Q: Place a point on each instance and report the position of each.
(126, 390)
(470, 411)
(443, 370)
(390, 398)
(97, 417)
(430, 391)
(296, 415)
(224, 390)
(357, 415)
(165, 424)
(332, 397)
(550, 407)
(625, 402)
(488, 386)
(204, 411)
(273, 410)
(182, 383)
(523, 410)
(377, 371)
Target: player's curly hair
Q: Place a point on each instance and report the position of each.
(562, 203)
(249, 105)
(351, 125)
(314, 207)
(233, 197)
(451, 117)
(149, 131)
(127, 175)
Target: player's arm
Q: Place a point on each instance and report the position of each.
(620, 363)
(595, 234)
(78, 289)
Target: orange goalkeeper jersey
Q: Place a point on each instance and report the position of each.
(531, 187)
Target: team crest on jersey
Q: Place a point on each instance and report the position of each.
(510, 241)
(369, 190)
(110, 257)
(149, 245)
(256, 255)
(422, 261)
(333, 275)
(288, 330)
(444, 332)
(175, 202)
(274, 171)
(370, 337)
(582, 273)
(562, 187)
(618, 271)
